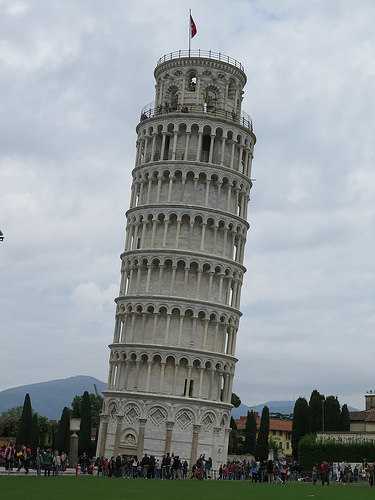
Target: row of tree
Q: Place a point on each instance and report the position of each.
(319, 414)
(33, 430)
(256, 442)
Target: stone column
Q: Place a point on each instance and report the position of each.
(141, 438)
(166, 224)
(194, 445)
(174, 145)
(116, 334)
(229, 195)
(232, 154)
(153, 146)
(206, 323)
(173, 280)
(154, 222)
(222, 151)
(167, 327)
(149, 365)
(149, 270)
(73, 454)
(203, 235)
(103, 428)
(187, 146)
(178, 231)
(210, 280)
(201, 368)
(199, 148)
(212, 142)
(162, 373)
(149, 185)
(140, 193)
(240, 159)
(131, 333)
(116, 450)
(110, 374)
(199, 277)
(212, 383)
(221, 287)
(168, 437)
(143, 234)
(130, 283)
(158, 189)
(180, 329)
(170, 186)
(162, 146)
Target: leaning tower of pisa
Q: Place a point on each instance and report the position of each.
(172, 359)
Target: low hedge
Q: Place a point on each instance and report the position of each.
(312, 451)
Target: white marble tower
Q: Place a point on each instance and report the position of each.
(172, 359)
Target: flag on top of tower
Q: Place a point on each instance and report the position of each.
(193, 28)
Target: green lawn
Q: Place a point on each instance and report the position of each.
(71, 488)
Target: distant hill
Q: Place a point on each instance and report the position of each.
(283, 407)
(49, 398)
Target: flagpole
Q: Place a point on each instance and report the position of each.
(189, 30)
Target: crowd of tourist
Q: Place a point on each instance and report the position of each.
(43, 461)
(344, 473)
(47, 462)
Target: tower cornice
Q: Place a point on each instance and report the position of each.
(204, 255)
(177, 300)
(189, 164)
(199, 208)
(178, 349)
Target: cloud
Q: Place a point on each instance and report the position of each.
(73, 78)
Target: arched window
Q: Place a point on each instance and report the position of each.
(192, 81)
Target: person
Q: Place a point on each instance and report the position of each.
(118, 465)
(314, 475)
(185, 467)
(270, 471)
(47, 459)
(84, 463)
(10, 452)
(135, 467)
(324, 473)
(56, 464)
(208, 467)
(23, 459)
(38, 461)
(371, 474)
(356, 473)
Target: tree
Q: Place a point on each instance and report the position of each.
(84, 441)
(96, 403)
(235, 400)
(250, 433)
(9, 422)
(62, 440)
(262, 448)
(332, 414)
(233, 437)
(35, 431)
(301, 423)
(316, 406)
(345, 418)
(44, 431)
(25, 425)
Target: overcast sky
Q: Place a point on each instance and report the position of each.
(73, 77)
